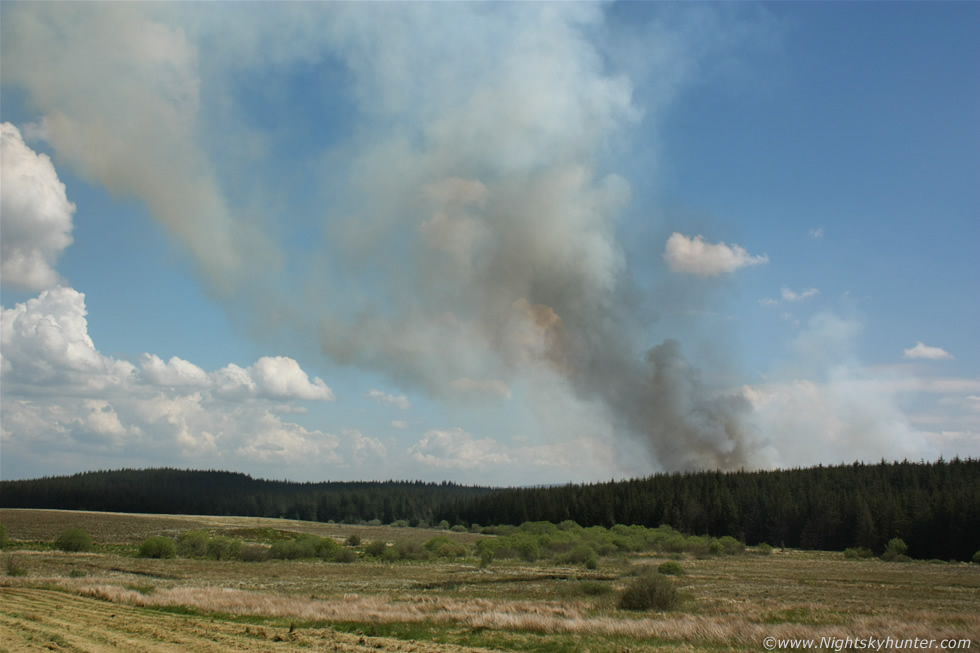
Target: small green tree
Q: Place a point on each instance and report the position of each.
(764, 549)
(74, 540)
(353, 540)
(976, 558)
(158, 546)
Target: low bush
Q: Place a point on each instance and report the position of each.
(580, 555)
(74, 540)
(764, 549)
(896, 548)
(376, 548)
(857, 553)
(976, 558)
(486, 557)
(444, 547)
(671, 568)
(193, 544)
(353, 540)
(458, 528)
(731, 546)
(12, 567)
(650, 592)
(254, 553)
(158, 546)
(594, 588)
(408, 550)
(224, 548)
(345, 556)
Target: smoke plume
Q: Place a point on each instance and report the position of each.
(469, 216)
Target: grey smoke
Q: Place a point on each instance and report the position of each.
(469, 222)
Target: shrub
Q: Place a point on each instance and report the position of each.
(400, 523)
(444, 547)
(976, 558)
(254, 553)
(857, 553)
(527, 549)
(4, 540)
(732, 546)
(353, 540)
(327, 548)
(671, 568)
(764, 549)
(390, 554)
(193, 544)
(158, 546)
(577, 556)
(74, 540)
(345, 556)
(376, 548)
(14, 569)
(443, 525)
(408, 550)
(486, 557)
(458, 528)
(224, 548)
(716, 548)
(594, 588)
(896, 547)
(650, 592)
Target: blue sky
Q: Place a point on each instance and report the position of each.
(496, 244)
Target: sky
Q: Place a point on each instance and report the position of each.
(496, 244)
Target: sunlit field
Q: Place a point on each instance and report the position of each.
(111, 599)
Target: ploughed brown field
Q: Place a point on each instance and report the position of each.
(112, 600)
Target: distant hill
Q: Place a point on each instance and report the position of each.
(934, 507)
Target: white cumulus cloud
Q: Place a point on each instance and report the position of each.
(35, 214)
(176, 371)
(400, 400)
(787, 295)
(45, 343)
(694, 256)
(922, 350)
(282, 377)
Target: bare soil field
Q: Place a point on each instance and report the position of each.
(63, 601)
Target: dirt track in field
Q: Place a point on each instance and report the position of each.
(46, 620)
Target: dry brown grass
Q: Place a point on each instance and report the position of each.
(732, 602)
(37, 619)
(127, 528)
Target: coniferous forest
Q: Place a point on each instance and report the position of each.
(934, 507)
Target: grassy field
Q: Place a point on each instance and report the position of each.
(110, 599)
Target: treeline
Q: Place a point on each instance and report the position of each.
(188, 492)
(934, 507)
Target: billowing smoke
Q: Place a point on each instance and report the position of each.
(468, 219)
